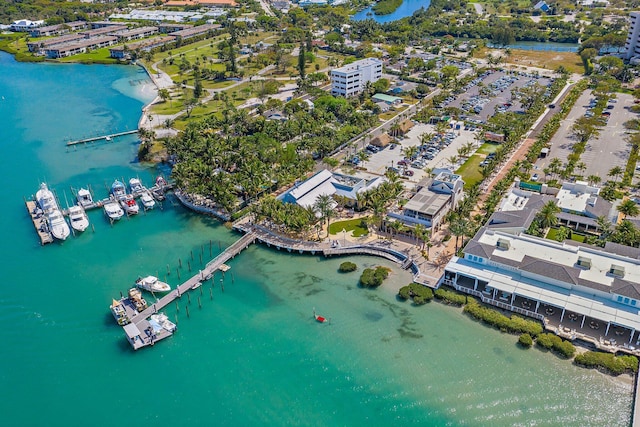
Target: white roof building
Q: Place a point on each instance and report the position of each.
(351, 79)
(328, 183)
(25, 25)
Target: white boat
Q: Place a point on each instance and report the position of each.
(118, 190)
(78, 218)
(113, 210)
(163, 321)
(58, 225)
(84, 198)
(147, 200)
(129, 205)
(46, 200)
(152, 284)
(135, 185)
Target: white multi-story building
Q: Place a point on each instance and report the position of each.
(633, 37)
(351, 79)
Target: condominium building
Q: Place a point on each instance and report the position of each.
(352, 78)
(633, 37)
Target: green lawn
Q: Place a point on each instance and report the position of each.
(487, 148)
(354, 225)
(470, 171)
(100, 56)
(553, 232)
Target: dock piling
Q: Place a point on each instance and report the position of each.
(200, 259)
(211, 293)
(177, 307)
(180, 262)
(168, 271)
(189, 265)
(189, 297)
(187, 307)
(199, 303)
(178, 271)
(191, 254)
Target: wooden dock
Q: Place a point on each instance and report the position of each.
(39, 223)
(101, 137)
(140, 322)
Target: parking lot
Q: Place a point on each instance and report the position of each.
(492, 92)
(430, 157)
(610, 149)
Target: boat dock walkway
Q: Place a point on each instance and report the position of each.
(139, 320)
(101, 137)
(39, 223)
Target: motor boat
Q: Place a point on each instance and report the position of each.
(147, 200)
(113, 210)
(58, 225)
(129, 205)
(118, 190)
(135, 296)
(152, 284)
(78, 218)
(135, 185)
(161, 320)
(45, 199)
(85, 199)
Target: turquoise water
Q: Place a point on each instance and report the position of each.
(406, 9)
(252, 355)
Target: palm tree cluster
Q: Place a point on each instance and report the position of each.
(288, 218)
(233, 157)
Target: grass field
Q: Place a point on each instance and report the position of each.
(541, 59)
(553, 232)
(354, 225)
(470, 171)
(487, 148)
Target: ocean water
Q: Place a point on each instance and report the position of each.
(251, 354)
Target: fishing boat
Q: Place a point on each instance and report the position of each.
(113, 211)
(119, 312)
(135, 296)
(160, 181)
(163, 322)
(58, 225)
(147, 200)
(319, 318)
(78, 218)
(118, 190)
(135, 185)
(152, 284)
(45, 199)
(85, 199)
(129, 204)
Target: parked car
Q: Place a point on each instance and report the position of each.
(408, 172)
(535, 177)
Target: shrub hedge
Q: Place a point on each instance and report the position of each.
(371, 278)
(347, 267)
(513, 324)
(553, 342)
(525, 340)
(420, 294)
(611, 363)
(451, 297)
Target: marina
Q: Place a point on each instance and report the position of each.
(76, 213)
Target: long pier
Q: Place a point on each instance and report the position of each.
(101, 137)
(139, 322)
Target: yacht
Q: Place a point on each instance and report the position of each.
(163, 321)
(152, 284)
(135, 185)
(118, 190)
(58, 225)
(84, 198)
(113, 210)
(129, 204)
(147, 200)
(78, 218)
(46, 200)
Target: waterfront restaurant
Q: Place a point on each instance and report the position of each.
(578, 291)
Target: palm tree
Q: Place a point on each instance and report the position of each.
(422, 234)
(562, 234)
(615, 173)
(594, 179)
(324, 206)
(628, 208)
(547, 215)
(458, 226)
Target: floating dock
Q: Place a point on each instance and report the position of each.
(39, 223)
(101, 137)
(137, 331)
